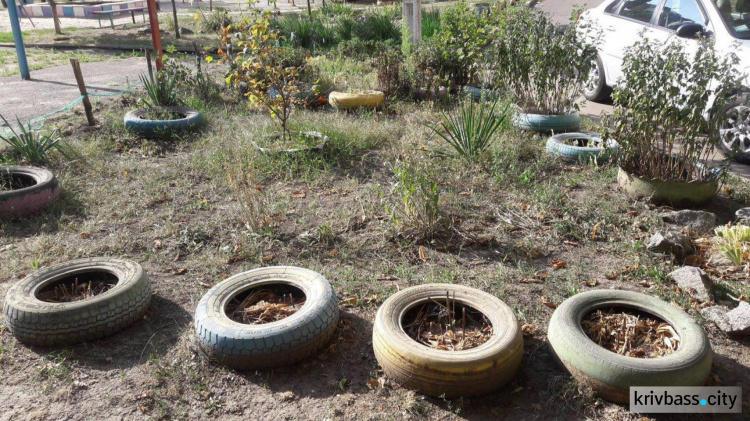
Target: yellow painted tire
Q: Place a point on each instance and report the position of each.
(450, 374)
(366, 99)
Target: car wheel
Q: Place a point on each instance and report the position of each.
(595, 88)
(734, 130)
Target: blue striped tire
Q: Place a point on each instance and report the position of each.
(557, 147)
(283, 342)
(547, 123)
(137, 122)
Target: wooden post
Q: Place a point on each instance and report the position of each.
(150, 67)
(210, 5)
(309, 10)
(82, 89)
(176, 26)
(55, 19)
(153, 20)
(412, 18)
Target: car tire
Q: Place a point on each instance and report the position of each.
(36, 322)
(611, 375)
(283, 342)
(448, 374)
(595, 88)
(734, 129)
(137, 121)
(26, 201)
(557, 147)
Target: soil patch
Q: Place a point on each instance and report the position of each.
(266, 304)
(629, 333)
(447, 325)
(77, 287)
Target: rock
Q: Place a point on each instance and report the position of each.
(701, 222)
(185, 31)
(694, 281)
(671, 242)
(735, 322)
(739, 319)
(718, 315)
(743, 216)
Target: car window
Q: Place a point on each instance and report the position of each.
(613, 7)
(641, 10)
(736, 16)
(678, 12)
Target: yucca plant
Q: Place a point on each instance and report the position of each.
(34, 146)
(470, 127)
(733, 242)
(161, 90)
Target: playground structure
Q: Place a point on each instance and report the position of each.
(80, 10)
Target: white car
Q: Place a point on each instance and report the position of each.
(727, 21)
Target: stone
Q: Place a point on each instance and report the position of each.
(743, 216)
(694, 281)
(718, 315)
(185, 31)
(739, 319)
(701, 222)
(671, 242)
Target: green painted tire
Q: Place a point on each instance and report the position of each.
(547, 123)
(672, 192)
(557, 147)
(610, 375)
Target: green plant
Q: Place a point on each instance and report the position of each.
(461, 39)
(430, 23)
(543, 66)
(416, 210)
(336, 10)
(658, 120)
(33, 145)
(213, 22)
(262, 67)
(161, 89)
(470, 128)
(344, 28)
(390, 65)
(734, 242)
(378, 26)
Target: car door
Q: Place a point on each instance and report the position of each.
(622, 27)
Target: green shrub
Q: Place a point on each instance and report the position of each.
(430, 23)
(161, 89)
(470, 128)
(414, 204)
(378, 26)
(213, 22)
(461, 39)
(336, 10)
(344, 28)
(34, 146)
(302, 32)
(543, 66)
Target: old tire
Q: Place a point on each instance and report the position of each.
(611, 375)
(557, 147)
(137, 121)
(472, 372)
(41, 190)
(680, 194)
(547, 123)
(366, 99)
(284, 342)
(734, 130)
(37, 322)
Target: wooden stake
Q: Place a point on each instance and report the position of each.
(176, 26)
(150, 67)
(82, 89)
(55, 19)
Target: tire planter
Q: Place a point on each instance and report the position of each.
(137, 122)
(33, 189)
(476, 94)
(37, 322)
(366, 99)
(671, 192)
(595, 88)
(547, 123)
(283, 342)
(323, 140)
(557, 146)
(471, 372)
(734, 130)
(611, 374)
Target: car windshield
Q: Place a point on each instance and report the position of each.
(736, 16)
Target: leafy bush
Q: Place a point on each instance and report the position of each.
(34, 146)
(461, 39)
(543, 66)
(213, 22)
(428, 68)
(416, 209)
(390, 70)
(378, 26)
(344, 28)
(430, 23)
(658, 120)
(161, 89)
(336, 10)
(303, 32)
(470, 128)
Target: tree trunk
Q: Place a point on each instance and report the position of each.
(309, 10)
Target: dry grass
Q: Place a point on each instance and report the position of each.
(265, 306)
(449, 326)
(73, 290)
(631, 335)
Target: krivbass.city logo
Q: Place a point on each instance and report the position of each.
(709, 400)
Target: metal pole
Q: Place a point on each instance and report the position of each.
(23, 65)
(153, 20)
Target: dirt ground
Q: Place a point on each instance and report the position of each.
(171, 206)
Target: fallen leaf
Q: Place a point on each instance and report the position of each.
(558, 264)
(268, 257)
(422, 254)
(529, 329)
(591, 283)
(644, 283)
(593, 231)
(546, 301)
(157, 244)
(372, 384)
(611, 276)
(84, 235)
(348, 301)
(333, 252)
(299, 194)
(204, 285)
(571, 243)
(179, 271)
(535, 254)
(531, 281)
(258, 187)
(465, 193)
